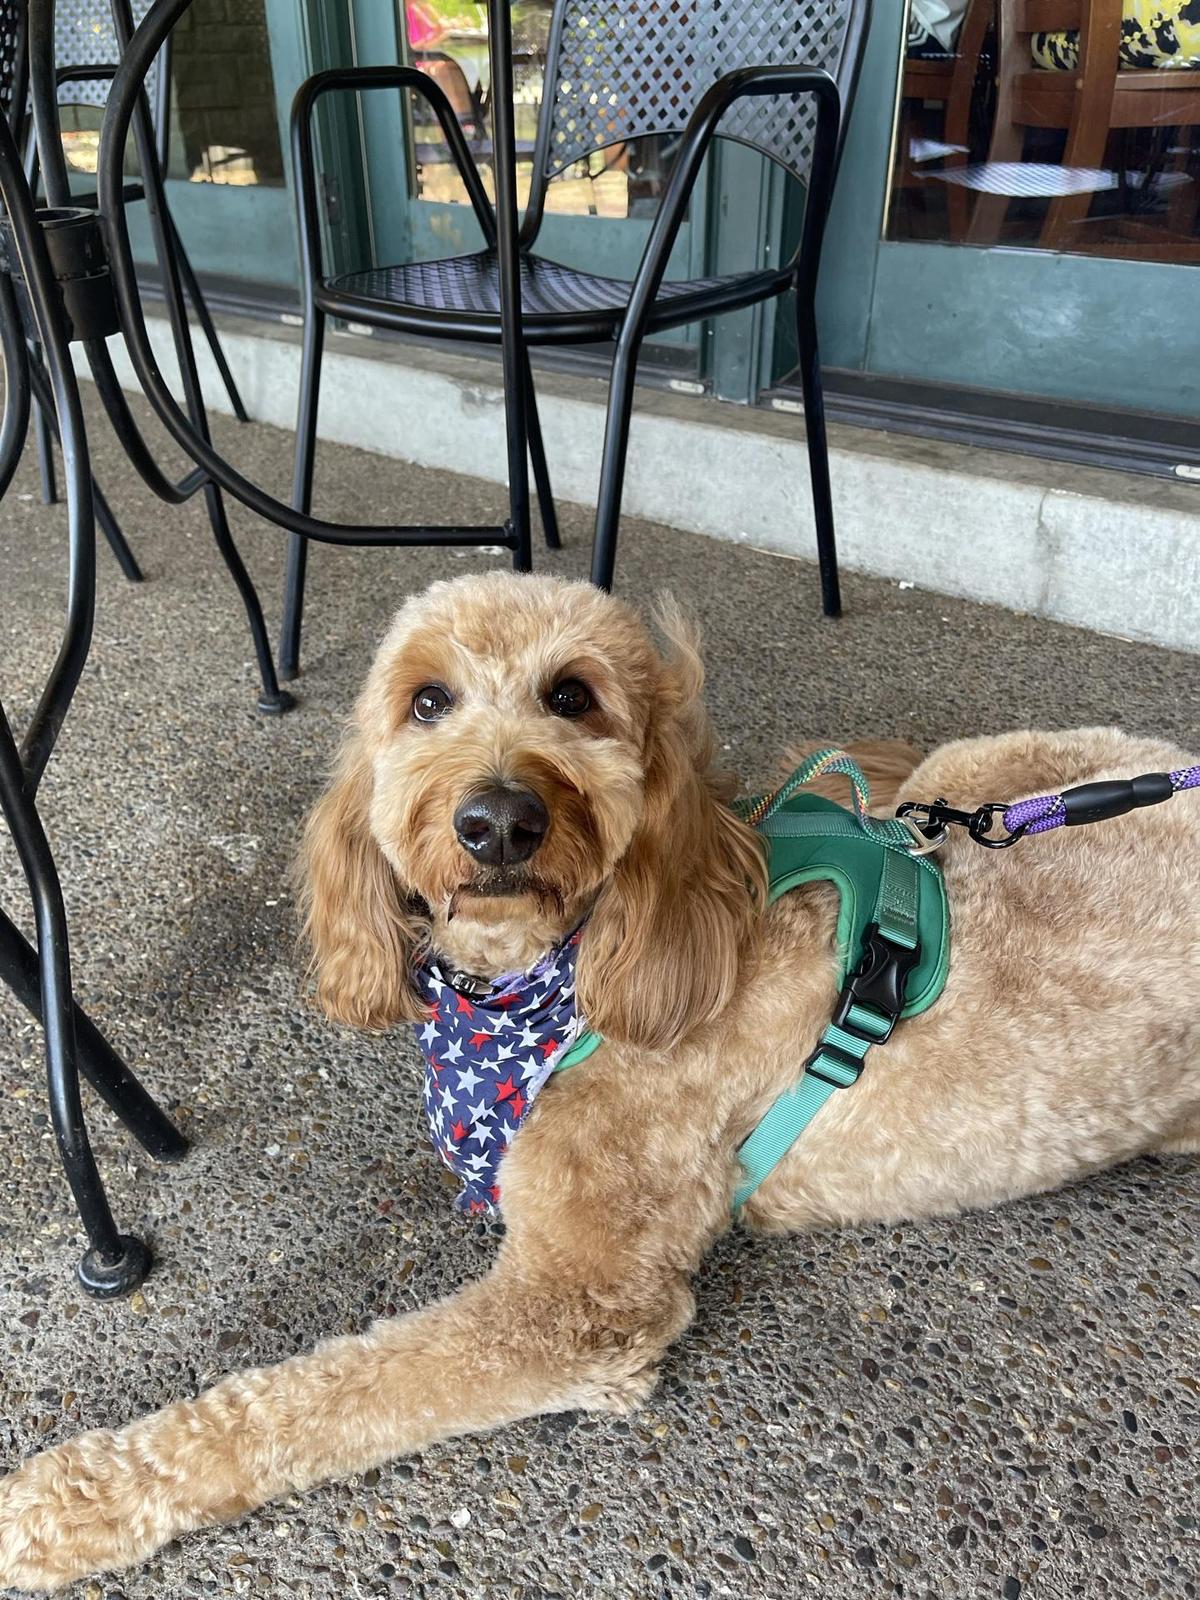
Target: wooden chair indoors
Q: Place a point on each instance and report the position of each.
(1088, 91)
(947, 81)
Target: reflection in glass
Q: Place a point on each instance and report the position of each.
(224, 125)
(1085, 138)
(448, 40)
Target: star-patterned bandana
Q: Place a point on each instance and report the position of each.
(487, 1057)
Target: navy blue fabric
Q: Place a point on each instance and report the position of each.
(486, 1059)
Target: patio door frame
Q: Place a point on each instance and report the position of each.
(991, 318)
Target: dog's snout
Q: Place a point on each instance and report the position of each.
(501, 827)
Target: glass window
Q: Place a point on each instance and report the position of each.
(224, 120)
(224, 125)
(448, 40)
(1083, 139)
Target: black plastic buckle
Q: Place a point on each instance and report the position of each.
(879, 981)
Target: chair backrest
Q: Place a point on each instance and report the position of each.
(84, 37)
(13, 63)
(621, 69)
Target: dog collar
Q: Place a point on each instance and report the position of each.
(489, 1048)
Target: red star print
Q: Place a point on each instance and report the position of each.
(476, 1208)
(478, 1039)
(458, 1133)
(494, 1194)
(465, 1008)
(548, 1047)
(506, 1089)
(517, 1105)
(507, 1000)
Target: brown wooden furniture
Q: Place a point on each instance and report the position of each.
(1099, 97)
(950, 82)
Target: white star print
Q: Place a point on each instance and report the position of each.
(429, 1032)
(529, 1039)
(454, 1051)
(483, 1133)
(447, 1099)
(468, 1079)
(476, 1163)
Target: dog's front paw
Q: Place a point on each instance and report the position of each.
(58, 1521)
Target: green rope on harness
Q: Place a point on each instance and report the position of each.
(755, 809)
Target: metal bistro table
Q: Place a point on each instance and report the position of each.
(67, 275)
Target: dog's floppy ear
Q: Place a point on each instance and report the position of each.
(361, 934)
(661, 953)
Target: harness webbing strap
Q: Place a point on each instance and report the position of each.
(842, 1049)
(899, 892)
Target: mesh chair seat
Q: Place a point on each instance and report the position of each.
(558, 302)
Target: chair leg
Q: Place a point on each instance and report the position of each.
(541, 472)
(45, 454)
(117, 542)
(818, 454)
(98, 1061)
(114, 1263)
(612, 463)
(302, 481)
(108, 524)
(272, 700)
(200, 306)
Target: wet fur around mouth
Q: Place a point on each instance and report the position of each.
(508, 886)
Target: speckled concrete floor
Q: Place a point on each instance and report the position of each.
(1001, 1405)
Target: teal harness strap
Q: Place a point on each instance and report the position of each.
(858, 1025)
(893, 941)
(890, 938)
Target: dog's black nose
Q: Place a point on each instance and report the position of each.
(501, 827)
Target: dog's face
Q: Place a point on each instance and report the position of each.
(523, 757)
(510, 722)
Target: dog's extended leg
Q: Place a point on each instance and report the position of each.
(508, 1347)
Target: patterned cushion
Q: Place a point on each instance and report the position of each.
(1154, 33)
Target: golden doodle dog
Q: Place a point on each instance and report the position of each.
(1067, 1038)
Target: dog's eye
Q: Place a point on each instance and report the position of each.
(431, 702)
(570, 698)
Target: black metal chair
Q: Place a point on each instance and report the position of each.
(114, 1262)
(22, 363)
(86, 52)
(774, 74)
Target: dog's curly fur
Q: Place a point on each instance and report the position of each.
(1067, 1039)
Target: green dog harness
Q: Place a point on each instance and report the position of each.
(893, 941)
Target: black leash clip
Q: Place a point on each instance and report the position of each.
(935, 819)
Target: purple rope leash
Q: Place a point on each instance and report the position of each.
(1048, 811)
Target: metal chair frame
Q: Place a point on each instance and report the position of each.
(643, 310)
(317, 307)
(114, 1263)
(93, 74)
(44, 77)
(14, 94)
